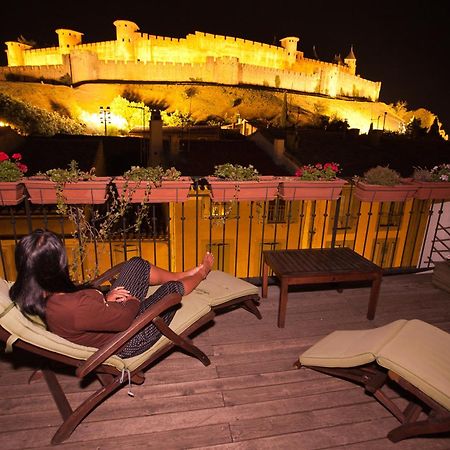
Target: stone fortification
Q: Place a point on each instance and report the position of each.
(201, 57)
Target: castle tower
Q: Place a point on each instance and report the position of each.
(290, 45)
(14, 53)
(68, 39)
(350, 60)
(125, 35)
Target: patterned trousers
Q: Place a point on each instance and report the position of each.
(134, 276)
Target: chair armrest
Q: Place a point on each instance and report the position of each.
(109, 275)
(116, 342)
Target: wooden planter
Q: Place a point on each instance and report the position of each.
(266, 188)
(80, 193)
(295, 189)
(376, 193)
(148, 192)
(11, 192)
(432, 190)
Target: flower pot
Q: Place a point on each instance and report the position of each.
(149, 192)
(11, 192)
(377, 193)
(432, 190)
(91, 192)
(295, 189)
(266, 188)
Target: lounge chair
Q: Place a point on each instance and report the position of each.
(113, 372)
(408, 353)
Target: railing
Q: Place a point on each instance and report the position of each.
(176, 235)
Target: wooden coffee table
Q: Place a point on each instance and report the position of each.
(314, 266)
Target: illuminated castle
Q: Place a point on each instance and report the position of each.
(202, 57)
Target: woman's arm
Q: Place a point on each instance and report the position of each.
(94, 313)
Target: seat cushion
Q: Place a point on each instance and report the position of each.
(218, 288)
(420, 353)
(350, 348)
(19, 326)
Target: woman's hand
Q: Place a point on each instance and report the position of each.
(118, 294)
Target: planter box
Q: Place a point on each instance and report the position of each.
(376, 193)
(266, 188)
(432, 190)
(80, 193)
(148, 192)
(295, 189)
(11, 192)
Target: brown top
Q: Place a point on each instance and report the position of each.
(86, 318)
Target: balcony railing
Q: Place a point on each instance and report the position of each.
(398, 236)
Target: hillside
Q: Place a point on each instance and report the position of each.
(207, 101)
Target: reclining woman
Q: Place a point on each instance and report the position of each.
(84, 315)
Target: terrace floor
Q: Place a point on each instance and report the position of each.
(250, 397)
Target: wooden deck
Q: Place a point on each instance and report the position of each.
(250, 397)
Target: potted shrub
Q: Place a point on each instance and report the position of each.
(152, 185)
(236, 182)
(11, 175)
(69, 186)
(432, 184)
(313, 182)
(380, 184)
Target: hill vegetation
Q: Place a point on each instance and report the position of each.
(199, 103)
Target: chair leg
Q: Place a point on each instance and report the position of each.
(71, 422)
(249, 305)
(58, 394)
(423, 427)
(180, 341)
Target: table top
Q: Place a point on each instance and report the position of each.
(311, 261)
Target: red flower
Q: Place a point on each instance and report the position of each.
(3, 156)
(22, 167)
(17, 156)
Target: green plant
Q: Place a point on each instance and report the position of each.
(150, 177)
(318, 172)
(11, 169)
(381, 175)
(151, 174)
(62, 176)
(437, 173)
(236, 172)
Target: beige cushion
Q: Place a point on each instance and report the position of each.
(420, 353)
(350, 348)
(415, 350)
(218, 288)
(29, 331)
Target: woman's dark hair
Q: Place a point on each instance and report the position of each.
(42, 269)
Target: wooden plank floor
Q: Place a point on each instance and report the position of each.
(250, 397)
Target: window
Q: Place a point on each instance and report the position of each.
(276, 212)
(390, 214)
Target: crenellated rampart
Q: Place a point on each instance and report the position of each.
(201, 56)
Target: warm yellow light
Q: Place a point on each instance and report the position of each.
(95, 121)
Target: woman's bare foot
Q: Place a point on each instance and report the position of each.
(207, 264)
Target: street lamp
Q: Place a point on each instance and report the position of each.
(384, 120)
(105, 117)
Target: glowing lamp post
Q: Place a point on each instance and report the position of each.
(105, 117)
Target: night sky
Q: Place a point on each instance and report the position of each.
(405, 45)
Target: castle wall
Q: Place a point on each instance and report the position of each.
(200, 56)
(52, 72)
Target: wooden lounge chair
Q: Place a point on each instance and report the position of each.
(411, 354)
(113, 372)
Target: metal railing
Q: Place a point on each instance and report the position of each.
(176, 235)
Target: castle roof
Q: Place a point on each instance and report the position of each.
(351, 55)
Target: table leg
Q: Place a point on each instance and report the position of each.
(265, 280)
(283, 303)
(374, 293)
